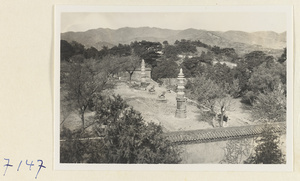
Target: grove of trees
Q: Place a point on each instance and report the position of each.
(124, 138)
(258, 79)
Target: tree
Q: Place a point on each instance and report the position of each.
(283, 56)
(246, 66)
(267, 150)
(85, 80)
(121, 50)
(221, 74)
(185, 46)
(165, 69)
(128, 138)
(78, 48)
(266, 77)
(254, 59)
(170, 51)
(210, 96)
(235, 88)
(104, 51)
(165, 43)
(131, 64)
(91, 52)
(125, 138)
(270, 106)
(66, 50)
(207, 57)
(72, 150)
(110, 65)
(241, 73)
(78, 58)
(148, 51)
(205, 91)
(190, 67)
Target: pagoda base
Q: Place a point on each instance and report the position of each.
(180, 113)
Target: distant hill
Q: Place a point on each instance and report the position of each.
(242, 42)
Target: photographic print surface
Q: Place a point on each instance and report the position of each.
(189, 88)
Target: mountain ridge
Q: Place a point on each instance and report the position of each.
(239, 40)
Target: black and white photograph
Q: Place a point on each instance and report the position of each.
(173, 86)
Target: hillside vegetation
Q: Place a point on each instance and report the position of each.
(256, 78)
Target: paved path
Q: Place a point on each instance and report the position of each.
(219, 134)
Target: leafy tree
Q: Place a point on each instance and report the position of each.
(283, 56)
(72, 150)
(185, 46)
(125, 138)
(66, 50)
(131, 64)
(148, 51)
(128, 139)
(243, 75)
(216, 49)
(198, 43)
(195, 66)
(221, 74)
(210, 96)
(254, 59)
(165, 69)
(205, 91)
(85, 80)
(270, 106)
(77, 58)
(190, 67)
(91, 52)
(235, 88)
(165, 43)
(104, 51)
(266, 77)
(267, 150)
(249, 97)
(246, 66)
(110, 65)
(78, 48)
(170, 51)
(120, 50)
(227, 52)
(206, 57)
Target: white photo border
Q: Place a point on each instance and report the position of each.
(59, 9)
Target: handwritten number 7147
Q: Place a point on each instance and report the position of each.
(30, 164)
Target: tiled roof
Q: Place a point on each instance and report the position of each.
(219, 134)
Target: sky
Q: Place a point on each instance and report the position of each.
(213, 21)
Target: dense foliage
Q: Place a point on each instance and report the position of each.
(84, 80)
(165, 69)
(215, 75)
(252, 76)
(267, 150)
(125, 138)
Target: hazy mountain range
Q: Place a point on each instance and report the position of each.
(243, 42)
